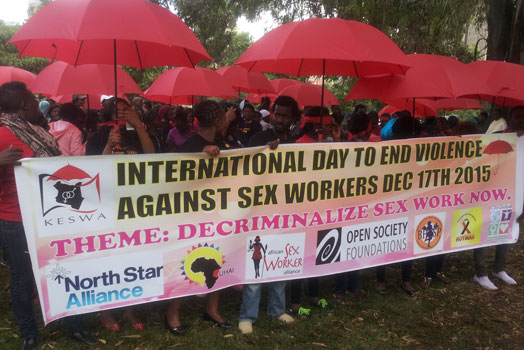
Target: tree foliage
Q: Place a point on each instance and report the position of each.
(9, 53)
(505, 30)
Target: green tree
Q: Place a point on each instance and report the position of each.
(505, 30)
(9, 53)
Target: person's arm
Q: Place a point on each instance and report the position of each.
(113, 140)
(131, 116)
(76, 147)
(10, 156)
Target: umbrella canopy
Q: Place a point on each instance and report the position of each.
(278, 85)
(432, 77)
(139, 33)
(506, 80)
(8, 74)
(422, 108)
(330, 46)
(188, 83)
(310, 95)
(498, 147)
(451, 104)
(61, 78)
(243, 80)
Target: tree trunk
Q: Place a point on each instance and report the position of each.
(516, 52)
(499, 14)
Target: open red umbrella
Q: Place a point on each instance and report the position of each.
(61, 78)
(505, 79)
(310, 95)
(278, 85)
(498, 147)
(446, 104)
(324, 46)
(432, 77)
(243, 80)
(422, 108)
(127, 32)
(8, 74)
(188, 83)
(87, 31)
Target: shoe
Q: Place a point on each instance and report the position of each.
(502, 275)
(30, 344)
(178, 331)
(380, 287)
(408, 288)
(324, 305)
(84, 337)
(139, 325)
(485, 282)
(245, 327)
(286, 318)
(114, 327)
(301, 312)
(426, 283)
(442, 278)
(225, 325)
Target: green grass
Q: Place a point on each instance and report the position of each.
(460, 315)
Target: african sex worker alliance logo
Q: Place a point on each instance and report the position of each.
(69, 187)
(202, 265)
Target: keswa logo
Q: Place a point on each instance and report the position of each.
(71, 188)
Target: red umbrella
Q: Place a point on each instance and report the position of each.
(8, 74)
(422, 108)
(61, 78)
(498, 147)
(243, 80)
(310, 95)
(318, 46)
(446, 104)
(128, 32)
(506, 80)
(431, 77)
(188, 83)
(87, 31)
(175, 100)
(278, 85)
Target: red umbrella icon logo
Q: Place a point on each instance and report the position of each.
(498, 147)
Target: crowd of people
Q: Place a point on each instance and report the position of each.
(32, 128)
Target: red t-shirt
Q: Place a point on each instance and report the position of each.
(9, 207)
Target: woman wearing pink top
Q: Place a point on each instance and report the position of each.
(67, 130)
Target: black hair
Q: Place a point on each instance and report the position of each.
(406, 126)
(207, 113)
(51, 108)
(515, 108)
(106, 115)
(287, 101)
(357, 107)
(452, 121)
(149, 117)
(358, 122)
(466, 128)
(316, 111)
(70, 112)
(12, 94)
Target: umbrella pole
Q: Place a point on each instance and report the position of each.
(491, 110)
(319, 137)
(88, 103)
(116, 84)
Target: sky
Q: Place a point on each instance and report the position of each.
(15, 12)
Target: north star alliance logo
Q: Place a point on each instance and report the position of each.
(69, 187)
(202, 264)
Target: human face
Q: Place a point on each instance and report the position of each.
(249, 114)
(30, 108)
(282, 119)
(54, 114)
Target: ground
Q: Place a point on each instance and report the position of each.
(460, 315)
